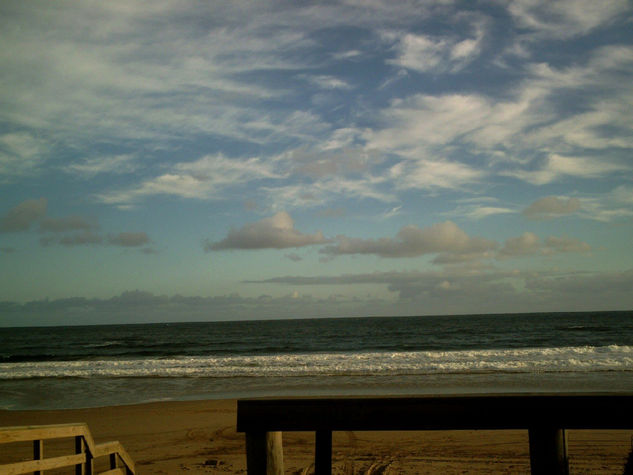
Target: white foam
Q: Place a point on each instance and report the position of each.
(524, 360)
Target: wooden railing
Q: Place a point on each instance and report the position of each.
(545, 416)
(83, 459)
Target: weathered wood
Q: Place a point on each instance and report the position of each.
(38, 453)
(323, 453)
(79, 449)
(546, 416)
(548, 451)
(114, 471)
(85, 448)
(115, 447)
(463, 412)
(27, 433)
(39, 465)
(264, 453)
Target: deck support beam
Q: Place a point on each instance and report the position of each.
(323, 452)
(548, 451)
(264, 453)
(38, 453)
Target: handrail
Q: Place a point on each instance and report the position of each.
(545, 416)
(85, 448)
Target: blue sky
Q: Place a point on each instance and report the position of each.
(174, 160)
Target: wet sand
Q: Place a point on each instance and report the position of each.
(198, 437)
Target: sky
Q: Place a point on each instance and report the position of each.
(184, 160)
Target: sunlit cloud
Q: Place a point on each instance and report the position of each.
(551, 207)
(276, 232)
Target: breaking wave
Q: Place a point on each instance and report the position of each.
(524, 360)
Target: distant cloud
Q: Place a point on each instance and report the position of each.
(557, 244)
(565, 18)
(426, 53)
(529, 244)
(199, 179)
(430, 174)
(412, 241)
(551, 207)
(81, 239)
(114, 164)
(22, 216)
(327, 82)
(559, 166)
(88, 237)
(614, 205)
(65, 224)
(483, 291)
(129, 239)
(21, 153)
(276, 232)
(331, 213)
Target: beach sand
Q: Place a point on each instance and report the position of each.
(198, 437)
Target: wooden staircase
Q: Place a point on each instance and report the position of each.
(86, 451)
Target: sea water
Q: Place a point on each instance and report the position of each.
(90, 366)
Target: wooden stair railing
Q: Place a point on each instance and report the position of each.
(83, 459)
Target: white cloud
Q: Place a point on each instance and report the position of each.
(558, 166)
(200, 179)
(428, 174)
(20, 154)
(479, 211)
(114, 164)
(328, 82)
(436, 54)
(276, 232)
(616, 204)
(565, 18)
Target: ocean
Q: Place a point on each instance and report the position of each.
(93, 366)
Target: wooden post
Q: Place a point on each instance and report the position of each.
(38, 453)
(323, 453)
(548, 451)
(264, 453)
(79, 448)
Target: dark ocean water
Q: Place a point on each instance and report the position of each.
(57, 367)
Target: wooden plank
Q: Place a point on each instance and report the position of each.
(115, 447)
(510, 411)
(114, 471)
(46, 464)
(323, 453)
(27, 433)
(548, 451)
(264, 453)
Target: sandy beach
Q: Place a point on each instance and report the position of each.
(199, 437)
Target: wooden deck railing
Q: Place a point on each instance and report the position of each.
(545, 416)
(83, 459)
